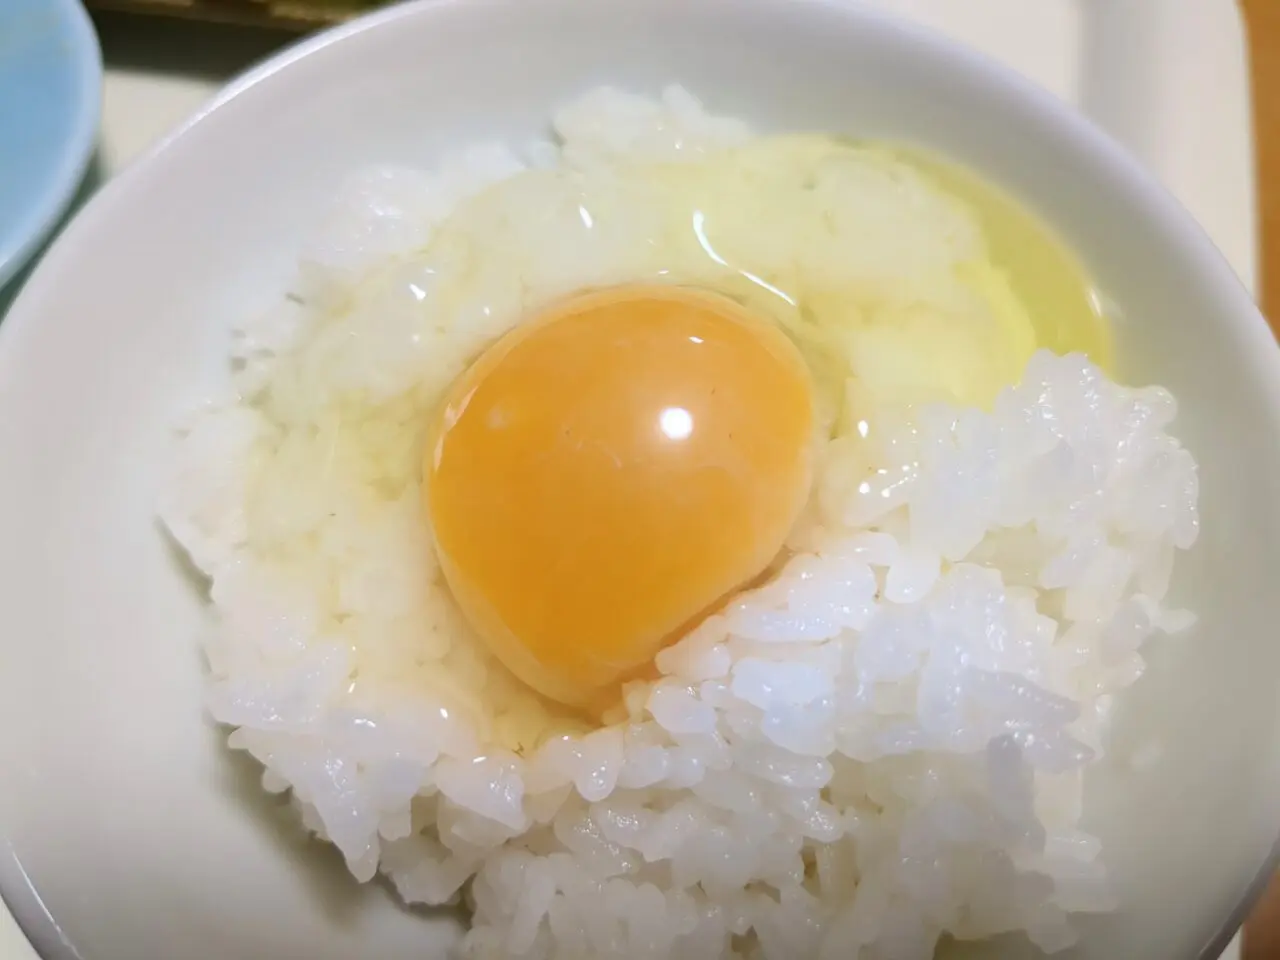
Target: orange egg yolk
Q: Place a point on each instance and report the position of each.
(611, 470)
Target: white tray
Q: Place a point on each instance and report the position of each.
(1168, 78)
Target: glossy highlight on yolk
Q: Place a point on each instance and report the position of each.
(609, 471)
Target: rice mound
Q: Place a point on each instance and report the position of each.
(884, 744)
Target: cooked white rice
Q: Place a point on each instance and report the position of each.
(883, 745)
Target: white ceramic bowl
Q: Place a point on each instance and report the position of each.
(136, 837)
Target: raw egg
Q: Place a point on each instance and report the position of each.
(610, 470)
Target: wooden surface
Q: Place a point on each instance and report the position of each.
(1263, 19)
(292, 15)
(1262, 933)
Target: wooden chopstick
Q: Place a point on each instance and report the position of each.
(1262, 18)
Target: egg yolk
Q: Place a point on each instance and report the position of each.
(609, 471)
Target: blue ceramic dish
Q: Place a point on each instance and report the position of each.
(50, 101)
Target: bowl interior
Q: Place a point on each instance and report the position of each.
(132, 830)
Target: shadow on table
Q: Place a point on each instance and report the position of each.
(93, 179)
(142, 44)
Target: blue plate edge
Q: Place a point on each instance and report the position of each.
(77, 153)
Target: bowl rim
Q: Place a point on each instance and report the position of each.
(1259, 343)
(76, 28)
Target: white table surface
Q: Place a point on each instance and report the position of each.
(157, 74)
